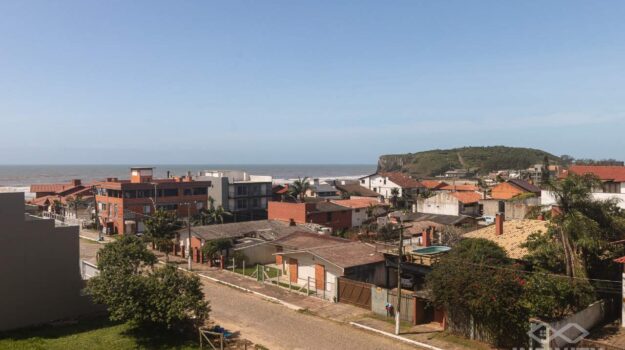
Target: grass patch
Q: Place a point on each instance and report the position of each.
(251, 270)
(94, 334)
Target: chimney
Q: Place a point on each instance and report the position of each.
(426, 237)
(75, 182)
(292, 222)
(499, 219)
(168, 174)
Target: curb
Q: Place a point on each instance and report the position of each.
(91, 239)
(396, 337)
(264, 296)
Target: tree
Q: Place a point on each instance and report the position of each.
(74, 203)
(585, 226)
(551, 297)
(451, 235)
(161, 229)
(478, 284)
(214, 248)
(299, 188)
(134, 291)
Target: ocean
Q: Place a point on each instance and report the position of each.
(16, 177)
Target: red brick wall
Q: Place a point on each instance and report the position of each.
(505, 191)
(340, 220)
(285, 211)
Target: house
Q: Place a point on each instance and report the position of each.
(437, 220)
(612, 183)
(279, 192)
(317, 261)
(363, 208)
(513, 188)
(513, 209)
(324, 213)
(354, 189)
(451, 203)
(242, 194)
(247, 237)
(322, 190)
(47, 194)
(510, 234)
(122, 205)
(384, 183)
(39, 268)
(456, 173)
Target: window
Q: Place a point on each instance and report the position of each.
(241, 190)
(255, 203)
(241, 204)
(102, 206)
(130, 194)
(170, 192)
(362, 181)
(187, 191)
(200, 191)
(611, 187)
(358, 211)
(329, 217)
(168, 206)
(146, 209)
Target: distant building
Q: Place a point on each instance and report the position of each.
(513, 188)
(322, 213)
(47, 194)
(457, 173)
(322, 190)
(612, 183)
(451, 203)
(240, 193)
(123, 205)
(353, 188)
(384, 183)
(39, 268)
(363, 208)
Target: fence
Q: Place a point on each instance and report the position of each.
(88, 270)
(64, 219)
(278, 277)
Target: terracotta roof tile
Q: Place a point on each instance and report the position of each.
(613, 173)
(356, 203)
(402, 180)
(467, 197)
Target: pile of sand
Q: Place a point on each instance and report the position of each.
(515, 233)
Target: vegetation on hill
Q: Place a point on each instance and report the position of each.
(479, 159)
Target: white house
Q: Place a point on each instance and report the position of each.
(451, 203)
(612, 183)
(384, 183)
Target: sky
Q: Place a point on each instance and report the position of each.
(302, 82)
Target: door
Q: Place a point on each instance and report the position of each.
(293, 270)
(279, 257)
(320, 277)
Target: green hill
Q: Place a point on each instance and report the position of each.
(479, 159)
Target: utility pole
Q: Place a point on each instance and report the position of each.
(401, 243)
(189, 235)
(97, 217)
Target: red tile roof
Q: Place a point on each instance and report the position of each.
(612, 173)
(469, 188)
(433, 184)
(620, 260)
(403, 180)
(54, 188)
(467, 197)
(357, 203)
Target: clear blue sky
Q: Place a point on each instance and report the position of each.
(306, 81)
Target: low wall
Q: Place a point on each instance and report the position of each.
(586, 319)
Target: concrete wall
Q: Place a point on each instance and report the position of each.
(442, 203)
(547, 198)
(306, 269)
(513, 209)
(586, 319)
(260, 254)
(39, 268)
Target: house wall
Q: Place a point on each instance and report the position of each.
(359, 215)
(442, 203)
(306, 269)
(338, 220)
(371, 273)
(381, 185)
(547, 198)
(260, 254)
(505, 191)
(39, 268)
(285, 211)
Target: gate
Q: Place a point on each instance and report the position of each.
(354, 292)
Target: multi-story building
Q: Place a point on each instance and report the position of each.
(123, 205)
(39, 268)
(242, 194)
(384, 183)
(324, 213)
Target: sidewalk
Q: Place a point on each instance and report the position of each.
(93, 235)
(430, 334)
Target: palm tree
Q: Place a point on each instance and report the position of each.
(584, 226)
(217, 215)
(299, 188)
